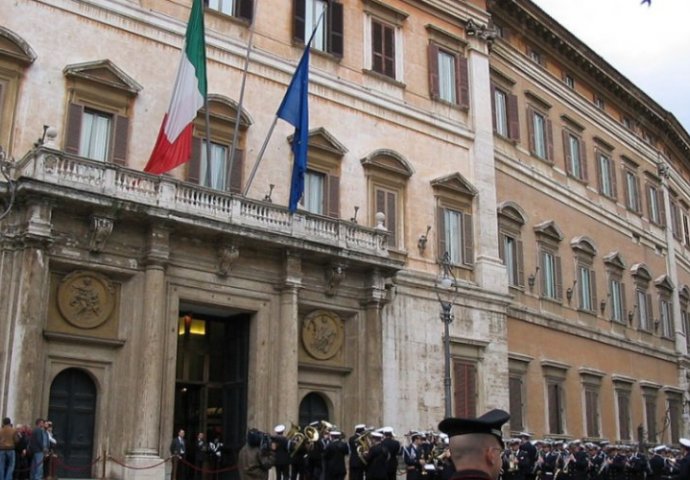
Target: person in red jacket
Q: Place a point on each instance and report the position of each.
(476, 445)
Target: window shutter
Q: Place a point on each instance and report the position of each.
(530, 129)
(624, 311)
(648, 192)
(377, 46)
(236, 172)
(502, 247)
(650, 313)
(463, 81)
(467, 239)
(298, 20)
(493, 106)
(73, 133)
(600, 160)
(441, 231)
(638, 200)
(552, 390)
(120, 143)
(391, 219)
(614, 175)
(194, 166)
(513, 120)
(465, 386)
(335, 29)
(549, 139)
(593, 289)
(245, 10)
(520, 263)
(583, 160)
(542, 271)
(515, 399)
(333, 196)
(662, 207)
(628, 193)
(558, 277)
(433, 71)
(389, 50)
(567, 153)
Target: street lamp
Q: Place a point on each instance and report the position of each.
(446, 292)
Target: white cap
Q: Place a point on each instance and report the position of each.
(685, 442)
(360, 426)
(279, 428)
(335, 433)
(524, 434)
(387, 430)
(376, 434)
(660, 448)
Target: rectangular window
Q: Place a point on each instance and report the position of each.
(550, 275)
(313, 11)
(592, 411)
(587, 288)
(500, 112)
(653, 208)
(666, 318)
(607, 176)
(675, 220)
(539, 129)
(574, 156)
(383, 48)
(96, 129)
(686, 229)
(213, 174)
(535, 56)
(387, 202)
(674, 415)
(617, 301)
(329, 31)
(623, 399)
(569, 80)
(650, 414)
(643, 313)
(515, 388)
(456, 235)
(453, 233)
(599, 102)
(505, 113)
(447, 81)
(632, 191)
(555, 406)
(513, 260)
(686, 324)
(236, 8)
(465, 388)
(314, 191)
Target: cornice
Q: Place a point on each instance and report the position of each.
(534, 23)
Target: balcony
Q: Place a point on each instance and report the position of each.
(57, 174)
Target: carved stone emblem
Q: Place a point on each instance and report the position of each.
(322, 334)
(85, 299)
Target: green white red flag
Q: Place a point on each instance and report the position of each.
(174, 144)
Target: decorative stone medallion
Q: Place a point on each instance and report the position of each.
(85, 299)
(322, 334)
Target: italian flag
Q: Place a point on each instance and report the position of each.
(174, 144)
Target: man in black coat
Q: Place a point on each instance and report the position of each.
(355, 462)
(393, 447)
(334, 457)
(412, 456)
(657, 463)
(282, 454)
(377, 459)
(684, 463)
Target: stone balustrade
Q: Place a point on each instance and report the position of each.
(55, 167)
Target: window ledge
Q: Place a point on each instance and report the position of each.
(453, 105)
(385, 78)
(514, 141)
(238, 20)
(543, 160)
(578, 180)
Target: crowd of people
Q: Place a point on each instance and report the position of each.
(27, 453)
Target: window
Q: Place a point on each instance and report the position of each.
(313, 197)
(587, 288)
(599, 102)
(455, 232)
(675, 408)
(464, 388)
(617, 293)
(686, 229)
(650, 402)
(448, 76)
(243, 9)
(665, 288)
(675, 220)
(655, 205)
(383, 53)
(632, 190)
(607, 175)
(628, 122)
(101, 98)
(505, 113)
(515, 391)
(591, 384)
(535, 56)
(569, 80)
(548, 238)
(623, 408)
(329, 34)
(383, 48)
(575, 162)
(540, 134)
(388, 173)
(555, 399)
(684, 298)
(217, 171)
(512, 258)
(510, 250)
(643, 300)
(322, 178)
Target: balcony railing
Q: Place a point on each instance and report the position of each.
(72, 172)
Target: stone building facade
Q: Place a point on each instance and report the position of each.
(132, 305)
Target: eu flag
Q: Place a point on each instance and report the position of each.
(295, 110)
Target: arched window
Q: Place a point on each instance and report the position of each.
(312, 408)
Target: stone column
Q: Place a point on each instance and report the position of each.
(24, 317)
(489, 270)
(146, 432)
(370, 411)
(286, 359)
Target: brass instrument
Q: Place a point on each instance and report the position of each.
(512, 462)
(363, 445)
(295, 438)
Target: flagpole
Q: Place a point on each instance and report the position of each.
(275, 119)
(235, 132)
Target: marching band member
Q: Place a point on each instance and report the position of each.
(355, 463)
(393, 447)
(412, 457)
(377, 459)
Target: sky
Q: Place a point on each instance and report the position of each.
(648, 44)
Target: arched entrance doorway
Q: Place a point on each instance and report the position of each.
(312, 408)
(72, 409)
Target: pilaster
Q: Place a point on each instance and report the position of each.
(370, 411)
